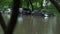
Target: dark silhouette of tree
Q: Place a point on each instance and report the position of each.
(14, 16)
(13, 20)
(2, 23)
(55, 3)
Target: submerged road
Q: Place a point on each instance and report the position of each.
(35, 25)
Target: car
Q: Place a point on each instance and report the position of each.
(26, 11)
(47, 13)
(37, 13)
(20, 10)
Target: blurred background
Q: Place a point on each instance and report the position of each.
(35, 16)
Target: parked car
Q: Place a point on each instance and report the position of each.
(37, 13)
(26, 11)
(20, 10)
(44, 13)
(47, 13)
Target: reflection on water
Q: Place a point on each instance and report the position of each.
(1, 31)
(35, 25)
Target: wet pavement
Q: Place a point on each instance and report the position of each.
(35, 25)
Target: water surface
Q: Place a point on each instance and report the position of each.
(35, 24)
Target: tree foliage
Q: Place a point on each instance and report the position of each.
(5, 3)
(36, 4)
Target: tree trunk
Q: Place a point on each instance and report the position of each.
(55, 3)
(14, 16)
(2, 22)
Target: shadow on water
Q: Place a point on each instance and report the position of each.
(35, 25)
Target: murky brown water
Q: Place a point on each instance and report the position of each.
(36, 25)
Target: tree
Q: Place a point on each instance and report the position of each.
(5, 3)
(55, 3)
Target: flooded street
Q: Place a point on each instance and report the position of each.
(35, 25)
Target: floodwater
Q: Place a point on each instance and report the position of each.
(35, 25)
